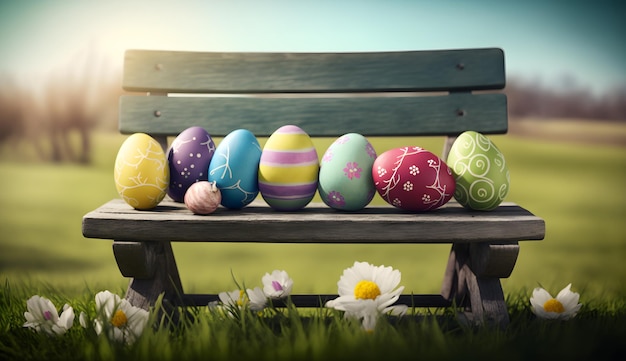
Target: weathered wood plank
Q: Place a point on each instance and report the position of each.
(493, 260)
(375, 224)
(134, 259)
(219, 72)
(488, 306)
(481, 297)
(143, 292)
(329, 116)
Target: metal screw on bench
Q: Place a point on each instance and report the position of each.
(460, 66)
(158, 66)
(460, 112)
(157, 113)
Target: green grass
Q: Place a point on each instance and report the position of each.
(596, 333)
(576, 187)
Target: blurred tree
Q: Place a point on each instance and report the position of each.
(531, 99)
(58, 118)
(67, 110)
(12, 113)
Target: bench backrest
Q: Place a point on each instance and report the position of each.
(408, 93)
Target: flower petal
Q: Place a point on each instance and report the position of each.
(107, 303)
(387, 278)
(397, 310)
(539, 298)
(67, 318)
(258, 299)
(388, 299)
(568, 298)
(83, 319)
(137, 321)
(280, 278)
(369, 321)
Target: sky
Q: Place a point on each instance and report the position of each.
(559, 43)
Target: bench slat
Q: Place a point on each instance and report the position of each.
(374, 224)
(319, 300)
(219, 72)
(369, 115)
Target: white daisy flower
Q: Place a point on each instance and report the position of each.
(43, 316)
(120, 320)
(277, 285)
(240, 299)
(563, 307)
(236, 298)
(366, 292)
(258, 299)
(225, 302)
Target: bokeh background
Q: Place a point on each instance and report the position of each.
(60, 79)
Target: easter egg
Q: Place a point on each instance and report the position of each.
(288, 169)
(189, 157)
(141, 173)
(413, 179)
(345, 176)
(203, 197)
(234, 168)
(480, 172)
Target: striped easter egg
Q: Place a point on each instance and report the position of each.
(288, 169)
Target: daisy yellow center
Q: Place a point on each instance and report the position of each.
(366, 290)
(553, 305)
(240, 299)
(119, 319)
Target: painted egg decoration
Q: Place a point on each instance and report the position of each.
(203, 197)
(189, 157)
(480, 171)
(234, 168)
(288, 169)
(141, 173)
(345, 176)
(413, 179)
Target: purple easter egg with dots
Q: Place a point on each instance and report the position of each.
(189, 157)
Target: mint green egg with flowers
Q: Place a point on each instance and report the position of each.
(345, 176)
(480, 172)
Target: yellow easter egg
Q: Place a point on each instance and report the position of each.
(141, 172)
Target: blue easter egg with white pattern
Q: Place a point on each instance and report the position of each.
(234, 168)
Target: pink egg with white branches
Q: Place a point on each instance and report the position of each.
(413, 179)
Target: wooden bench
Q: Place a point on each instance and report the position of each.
(413, 93)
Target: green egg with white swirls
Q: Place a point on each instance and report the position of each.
(480, 171)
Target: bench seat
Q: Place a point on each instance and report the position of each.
(172, 221)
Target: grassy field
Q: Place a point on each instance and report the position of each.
(596, 333)
(576, 186)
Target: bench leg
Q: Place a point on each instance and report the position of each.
(472, 280)
(153, 271)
